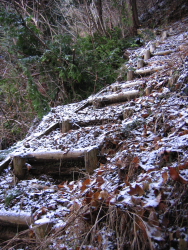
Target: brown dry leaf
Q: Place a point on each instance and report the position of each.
(137, 190)
(142, 148)
(96, 195)
(104, 194)
(183, 166)
(88, 197)
(165, 221)
(165, 176)
(31, 234)
(174, 174)
(119, 163)
(145, 115)
(185, 132)
(61, 185)
(127, 180)
(85, 184)
(162, 206)
(99, 180)
(145, 130)
(136, 161)
(146, 185)
(99, 238)
(44, 210)
(158, 198)
(182, 180)
(100, 172)
(136, 200)
(94, 203)
(152, 219)
(146, 177)
(111, 152)
(157, 138)
(142, 226)
(157, 146)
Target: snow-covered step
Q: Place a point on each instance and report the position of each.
(16, 218)
(163, 53)
(23, 161)
(149, 70)
(114, 98)
(4, 163)
(129, 84)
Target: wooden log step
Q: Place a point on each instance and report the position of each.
(147, 54)
(115, 98)
(4, 164)
(149, 70)
(54, 126)
(42, 228)
(96, 122)
(14, 218)
(152, 47)
(162, 53)
(140, 63)
(131, 84)
(130, 75)
(164, 35)
(127, 84)
(83, 106)
(90, 155)
(55, 155)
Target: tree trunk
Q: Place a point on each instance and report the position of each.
(135, 20)
(98, 4)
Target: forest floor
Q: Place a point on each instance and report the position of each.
(111, 171)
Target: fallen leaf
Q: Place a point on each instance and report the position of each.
(185, 132)
(88, 197)
(99, 238)
(137, 190)
(96, 195)
(99, 180)
(44, 210)
(162, 206)
(100, 172)
(141, 225)
(165, 176)
(174, 174)
(104, 194)
(152, 219)
(85, 184)
(165, 221)
(136, 200)
(146, 185)
(136, 161)
(183, 166)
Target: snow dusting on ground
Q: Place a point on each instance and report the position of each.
(143, 162)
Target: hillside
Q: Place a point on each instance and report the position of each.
(111, 171)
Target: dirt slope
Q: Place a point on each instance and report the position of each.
(138, 132)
